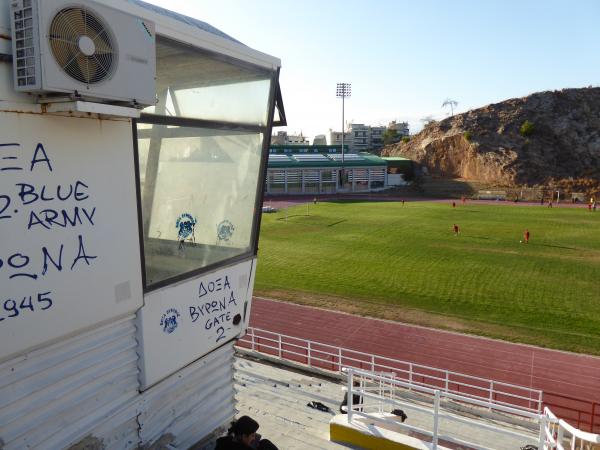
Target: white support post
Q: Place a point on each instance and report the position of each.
(491, 393)
(542, 439)
(308, 353)
(279, 346)
(380, 395)
(436, 419)
(447, 376)
(349, 404)
(340, 359)
(560, 435)
(410, 375)
(372, 363)
(252, 337)
(320, 180)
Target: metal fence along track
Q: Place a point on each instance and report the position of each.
(332, 358)
(581, 413)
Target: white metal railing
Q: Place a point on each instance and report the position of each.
(329, 357)
(372, 410)
(554, 433)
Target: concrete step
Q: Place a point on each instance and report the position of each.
(288, 424)
(281, 404)
(303, 392)
(305, 386)
(277, 399)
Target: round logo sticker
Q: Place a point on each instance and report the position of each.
(225, 230)
(185, 225)
(168, 321)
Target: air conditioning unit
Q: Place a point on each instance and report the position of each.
(84, 50)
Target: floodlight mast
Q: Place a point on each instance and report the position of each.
(343, 90)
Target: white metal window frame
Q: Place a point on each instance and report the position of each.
(179, 31)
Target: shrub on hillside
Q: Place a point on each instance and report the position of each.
(527, 128)
(405, 139)
(468, 136)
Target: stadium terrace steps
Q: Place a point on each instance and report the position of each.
(303, 392)
(277, 398)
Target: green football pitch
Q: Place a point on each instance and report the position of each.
(383, 259)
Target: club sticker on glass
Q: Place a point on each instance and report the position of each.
(185, 225)
(225, 230)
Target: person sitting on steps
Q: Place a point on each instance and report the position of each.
(242, 435)
(356, 400)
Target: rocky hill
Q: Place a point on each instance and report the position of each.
(547, 137)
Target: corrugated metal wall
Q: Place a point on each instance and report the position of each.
(192, 403)
(87, 385)
(53, 397)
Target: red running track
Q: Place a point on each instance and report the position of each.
(555, 372)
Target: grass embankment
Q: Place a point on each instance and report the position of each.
(404, 263)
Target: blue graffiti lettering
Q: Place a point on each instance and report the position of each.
(81, 254)
(47, 257)
(35, 160)
(219, 284)
(62, 218)
(29, 194)
(14, 309)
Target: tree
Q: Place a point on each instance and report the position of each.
(390, 136)
(451, 103)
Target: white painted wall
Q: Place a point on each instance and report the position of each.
(181, 323)
(52, 397)
(195, 403)
(87, 385)
(69, 257)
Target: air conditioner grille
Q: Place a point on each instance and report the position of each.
(82, 45)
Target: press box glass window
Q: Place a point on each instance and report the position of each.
(200, 158)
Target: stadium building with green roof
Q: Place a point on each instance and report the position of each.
(319, 169)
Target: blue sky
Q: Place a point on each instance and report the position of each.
(404, 58)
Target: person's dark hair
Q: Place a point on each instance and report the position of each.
(266, 444)
(244, 425)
